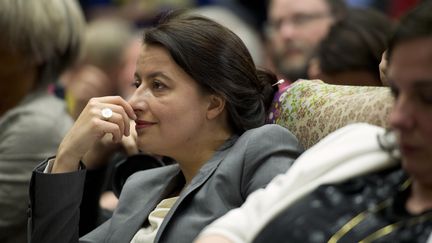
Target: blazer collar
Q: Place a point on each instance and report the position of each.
(129, 219)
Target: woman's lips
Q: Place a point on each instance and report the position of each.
(141, 124)
(408, 150)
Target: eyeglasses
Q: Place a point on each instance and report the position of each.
(297, 21)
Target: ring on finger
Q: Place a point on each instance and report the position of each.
(106, 113)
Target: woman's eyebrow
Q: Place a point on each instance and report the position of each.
(157, 74)
(136, 75)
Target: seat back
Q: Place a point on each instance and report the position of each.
(311, 109)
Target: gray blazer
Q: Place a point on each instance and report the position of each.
(241, 166)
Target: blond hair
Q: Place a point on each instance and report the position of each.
(47, 32)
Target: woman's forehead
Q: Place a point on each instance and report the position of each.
(411, 60)
(154, 58)
(154, 53)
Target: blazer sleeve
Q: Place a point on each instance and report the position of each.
(54, 205)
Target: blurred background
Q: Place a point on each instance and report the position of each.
(252, 11)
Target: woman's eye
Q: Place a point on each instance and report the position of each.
(158, 85)
(394, 92)
(424, 95)
(136, 83)
(426, 98)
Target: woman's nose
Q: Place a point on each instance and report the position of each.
(139, 100)
(402, 116)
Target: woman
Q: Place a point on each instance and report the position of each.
(199, 100)
(35, 48)
(391, 203)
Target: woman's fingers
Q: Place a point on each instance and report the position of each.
(121, 118)
(114, 129)
(117, 100)
(118, 109)
(117, 116)
(129, 143)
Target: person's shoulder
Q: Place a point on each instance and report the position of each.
(49, 108)
(268, 132)
(46, 106)
(268, 137)
(39, 105)
(267, 129)
(41, 122)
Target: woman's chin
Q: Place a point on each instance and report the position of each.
(417, 168)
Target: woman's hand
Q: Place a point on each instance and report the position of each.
(85, 136)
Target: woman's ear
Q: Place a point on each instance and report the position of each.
(216, 106)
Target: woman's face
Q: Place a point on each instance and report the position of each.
(171, 110)
(410, 77)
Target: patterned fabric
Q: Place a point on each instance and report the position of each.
(368, 208)
(311, 109)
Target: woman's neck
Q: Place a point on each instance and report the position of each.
(193, 163)
(191, 160)
(420, 199)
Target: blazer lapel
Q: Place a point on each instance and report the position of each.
(128, 219)
(203, 175)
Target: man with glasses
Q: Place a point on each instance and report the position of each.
(295, 28)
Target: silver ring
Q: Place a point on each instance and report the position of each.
(106, 113)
